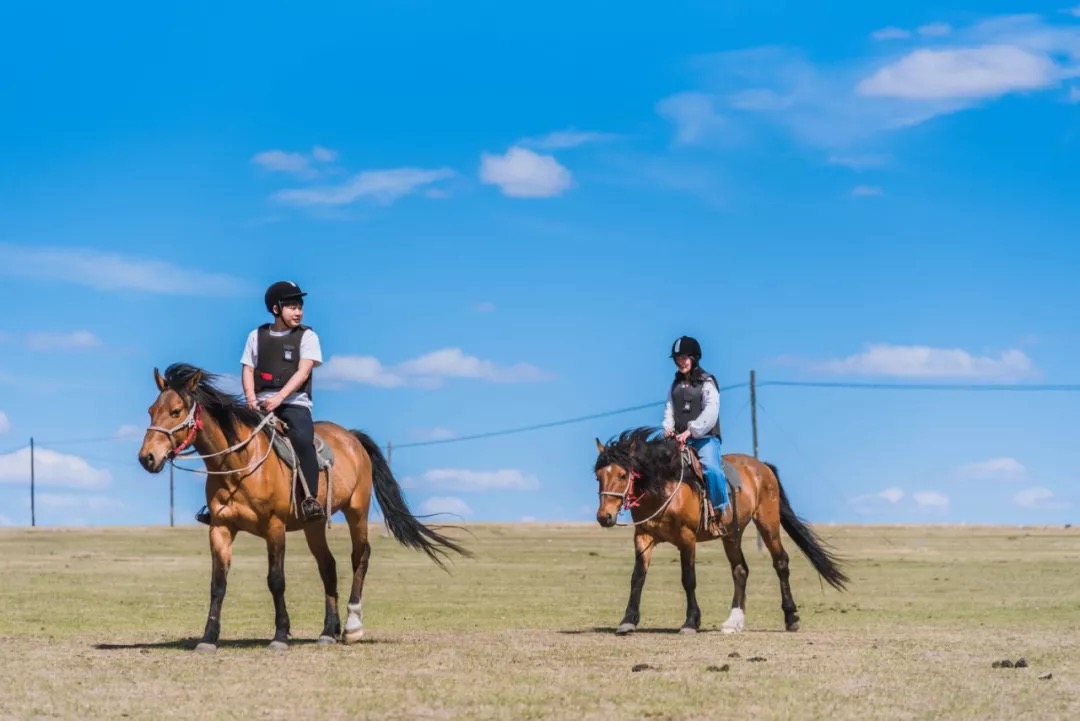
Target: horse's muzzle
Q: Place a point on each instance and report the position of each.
(605, 519)
(151, 463)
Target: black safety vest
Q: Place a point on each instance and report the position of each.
(278, 358)
(687, 402)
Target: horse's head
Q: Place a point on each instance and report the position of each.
(615, 474)
(174, 421)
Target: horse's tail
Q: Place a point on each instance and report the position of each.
(403, 525)
(824, 562)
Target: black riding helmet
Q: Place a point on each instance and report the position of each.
(280, 292)
(685, 345)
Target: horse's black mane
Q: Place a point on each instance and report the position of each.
(227, 410)
(646, 451)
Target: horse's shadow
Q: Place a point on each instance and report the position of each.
(610, 630)
(189, 644)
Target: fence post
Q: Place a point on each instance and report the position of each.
(172, 498)
(33, 513)
(753, 408)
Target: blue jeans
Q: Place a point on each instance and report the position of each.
(708, 450)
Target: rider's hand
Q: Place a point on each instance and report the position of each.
(254, 404)
(681, 438)
(271, 403)
(669, 432)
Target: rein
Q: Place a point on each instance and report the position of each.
(194, 423)
(630, 501)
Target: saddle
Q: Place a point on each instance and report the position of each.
(284, 448)
(691, 458)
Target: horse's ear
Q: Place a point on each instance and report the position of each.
(599, 445)
(635, 446)
(193, 382)
(159, 380)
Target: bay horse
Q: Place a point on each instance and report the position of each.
(249, 487)
(662, 489)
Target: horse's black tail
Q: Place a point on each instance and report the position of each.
(824, 562)
(403, 525)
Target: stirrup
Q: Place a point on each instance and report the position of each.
(203, 516)
(311, 509)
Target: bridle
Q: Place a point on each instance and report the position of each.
(628, 500)
(193, 422)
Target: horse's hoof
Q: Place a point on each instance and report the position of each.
(793, 626)
(326, 641)
(353, 636)
(205, 648)
(625, 628)
(278, 646)
(687, 631)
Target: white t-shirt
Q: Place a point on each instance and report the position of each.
(309, 348)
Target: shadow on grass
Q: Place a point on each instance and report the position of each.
(189, 644)
(610, 630)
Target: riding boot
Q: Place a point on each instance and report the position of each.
(203, 516)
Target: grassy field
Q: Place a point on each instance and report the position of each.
(99, 624)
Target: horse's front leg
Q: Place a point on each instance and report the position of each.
(687, 553)
(275, 581)
(221, 541)
(643, 548)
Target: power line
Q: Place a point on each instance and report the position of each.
(1019, 387)
(551, 424)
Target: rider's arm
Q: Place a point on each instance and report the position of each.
(710, 412)
(298, 378)
(669, 414)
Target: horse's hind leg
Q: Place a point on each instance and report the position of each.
(643, 548)
(736, 620)
(361, 551)
(315, 534)
(768, 525)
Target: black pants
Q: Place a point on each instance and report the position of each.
(302, 434)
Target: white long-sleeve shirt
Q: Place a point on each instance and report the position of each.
(710, 412)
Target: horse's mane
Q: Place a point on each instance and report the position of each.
(645, 450)
(227, 410)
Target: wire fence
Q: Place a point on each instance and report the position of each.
(36, 446)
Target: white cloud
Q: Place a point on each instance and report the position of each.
(301, 164)
(381, 186)
(129, 431)
(523, 173)
(462, 480)
(931, 500)
(873, 502)
(858, 162)
(427, 371)
(445, 504)
(51, 469)
(926, 362)
(981, 72)
(890, 33)
(1040, 498)
(76, 340)
(103, 270)
(5, 424)
(565, 139)
(993, 469)
(693, 114)
(845, 102)
(866, 191)
(934, 30)
(484, 307)
(1074, 94)
(82, 502)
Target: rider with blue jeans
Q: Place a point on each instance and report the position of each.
(692, 416)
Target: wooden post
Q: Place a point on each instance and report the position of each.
(33, 514)
(753, 409)
(172, 498)
(389, 453)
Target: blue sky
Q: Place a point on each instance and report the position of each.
(505, 214)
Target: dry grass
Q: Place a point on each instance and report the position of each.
(99, 623)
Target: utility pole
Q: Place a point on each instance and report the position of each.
(753, 409)
(33, 515)
(389, 453)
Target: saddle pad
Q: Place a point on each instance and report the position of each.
(284, 449)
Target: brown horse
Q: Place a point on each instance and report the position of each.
(659, 484)
(249, 487)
